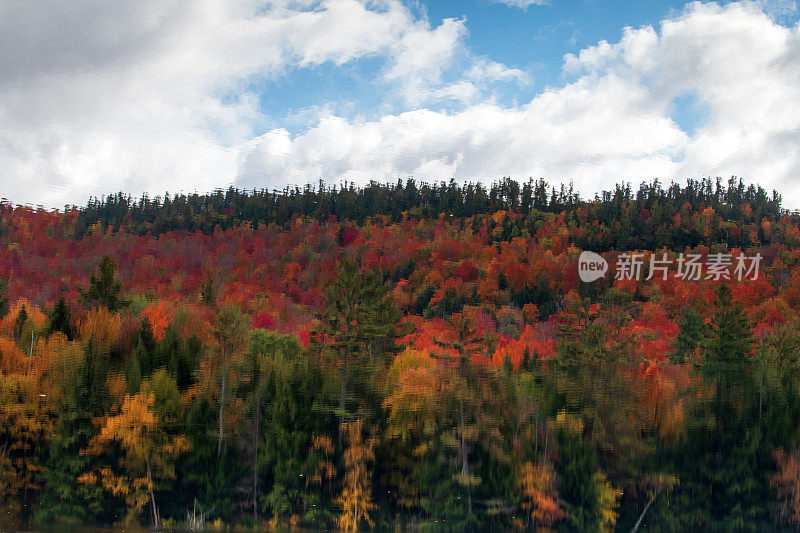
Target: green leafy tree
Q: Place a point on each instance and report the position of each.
(208, 290)
(206, 483)
(591, 381)
(589, 500)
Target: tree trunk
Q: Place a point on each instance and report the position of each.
(355, 515)
(343, 391)
(465, 459)
(156, 518)
(343, 400)
(30, 355)
(256, 432)
(644, 512)
(464, 453)
(222, 402)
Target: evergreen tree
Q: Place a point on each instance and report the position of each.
(463, 467)
(690, 335)
(359, 324)
(588, 499)
(133, 368)
(208, 291)
(230, 334)
(283, 396)
(19, 323)
(104, 287)
(3, 298)
(82, 395)
(59, 319)
(724, 461)
(726, 352)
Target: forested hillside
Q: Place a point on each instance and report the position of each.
(405, 355)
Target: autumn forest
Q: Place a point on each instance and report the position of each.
(400, 357)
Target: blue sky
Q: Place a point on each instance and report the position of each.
(537, 37)
(185, 95)
(533, 39)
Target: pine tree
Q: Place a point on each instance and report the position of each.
(359, 321)
(727, 349)
(230, 333)
(3, 298)
(59, 319)
(690, 335)
(79, 383)
(133, 368)
(467, 344)
(724, 461)
(104, 287)
(19, 323)
(208, 292)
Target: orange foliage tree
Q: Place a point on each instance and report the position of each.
(787, 482)
(159, 315)
(537, 485)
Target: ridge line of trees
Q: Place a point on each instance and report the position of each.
(231, 207)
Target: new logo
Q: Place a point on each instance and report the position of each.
(591, 267)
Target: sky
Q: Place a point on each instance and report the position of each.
(175, 96)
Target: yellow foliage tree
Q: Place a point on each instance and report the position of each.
(608, 500)
(61, 360)
(24, 422)
(150, 454)
(105, 326)
(356, 497)
(411, 403)
(325, 471)
(24, 323)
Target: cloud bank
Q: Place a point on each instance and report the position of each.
(158, 96)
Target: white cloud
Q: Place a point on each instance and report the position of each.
(421, 56)
(558, 132)
(463, 91)
(485, 70)
(522, 3)
(152, 96)
(740, 64)
(611, 123)
(425, 53)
